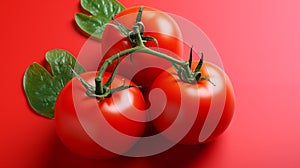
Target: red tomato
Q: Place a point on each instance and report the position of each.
(99, 129)
(158, 25)
(193, 113)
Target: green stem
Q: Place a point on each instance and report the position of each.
(99, 87)
(139, 40)
(143, 49)
(162, 55)
(98, 80)
(147, 50)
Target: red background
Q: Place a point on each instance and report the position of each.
(257, 40)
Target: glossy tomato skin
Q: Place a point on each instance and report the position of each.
(158, 25)
(213, 105)
(78, 124)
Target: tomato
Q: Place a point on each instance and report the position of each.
(96, 128)
(142, 68)
(193, 113)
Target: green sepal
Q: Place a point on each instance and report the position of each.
(197, 69)
(123, 87)
(207, 79)
(149, 38)
(42, 88)
(191, 57)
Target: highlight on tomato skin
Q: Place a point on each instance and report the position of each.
(214, 105)
(79, 124)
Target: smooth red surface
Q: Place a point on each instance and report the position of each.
(258, 42)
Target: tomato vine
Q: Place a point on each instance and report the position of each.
(135, 36)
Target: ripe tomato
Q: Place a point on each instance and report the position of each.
(143, 68)
(193, 113)
(99, 129)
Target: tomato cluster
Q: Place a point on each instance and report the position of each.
(194, 111)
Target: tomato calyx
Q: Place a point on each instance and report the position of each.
(91, 90)
(130, 33)
(189, 76)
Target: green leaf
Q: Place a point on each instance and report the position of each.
(92, 25)
(42, 88)
(101, 13)
(103, 8)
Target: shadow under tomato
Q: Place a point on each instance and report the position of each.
(182, 156)
(60, 156)
(178, 156)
